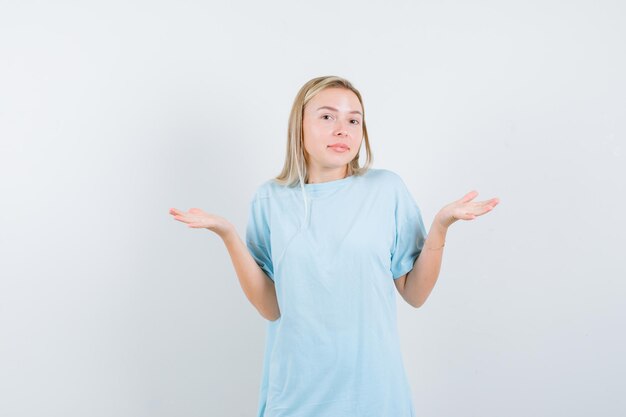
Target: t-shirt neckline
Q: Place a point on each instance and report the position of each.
(328, 185)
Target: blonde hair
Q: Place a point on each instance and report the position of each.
(295, 169)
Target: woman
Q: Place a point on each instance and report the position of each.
(325, 241)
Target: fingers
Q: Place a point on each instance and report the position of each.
(182, 213)
(181, 219)
(483, 208)
(491, 204)
(472, 194)
(189, 218)
(488, 203)
(493, 201)
(181, 216)
(469, 196)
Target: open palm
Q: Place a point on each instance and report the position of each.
(465, 209)
(198, 219)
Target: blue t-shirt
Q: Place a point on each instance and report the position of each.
(334, 351)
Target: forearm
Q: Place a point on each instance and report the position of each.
(422, 278)
(257, 286)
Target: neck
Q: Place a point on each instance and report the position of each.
(331, 174)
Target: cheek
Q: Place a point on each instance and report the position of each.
(315, 134)
(320, 129)
(311, 144)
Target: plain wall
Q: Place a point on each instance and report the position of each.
(113, 112)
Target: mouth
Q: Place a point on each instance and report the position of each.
(339, 147)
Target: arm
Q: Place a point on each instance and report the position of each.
(419, 282)
(257, 286)
(417, 285)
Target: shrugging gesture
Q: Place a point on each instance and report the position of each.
(419, 282)
(465, 209)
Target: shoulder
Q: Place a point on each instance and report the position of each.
(391, 185)
(262, 191)
(384, 177)
(268, 189)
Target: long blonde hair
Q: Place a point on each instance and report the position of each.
(295, 168)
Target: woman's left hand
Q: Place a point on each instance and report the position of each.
(464, 209)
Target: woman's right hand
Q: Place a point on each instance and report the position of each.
(198, 219)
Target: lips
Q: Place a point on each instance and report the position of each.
(338, 146)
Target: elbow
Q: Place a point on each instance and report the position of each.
(417, 300)
(270, 314)
(416, 303)
(412, 303)
(273, 318)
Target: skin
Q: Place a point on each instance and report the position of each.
(416, 286)
(323, 127)
(256, 285)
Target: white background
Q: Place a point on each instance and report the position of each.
(113, 112)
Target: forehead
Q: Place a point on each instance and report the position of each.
(339, 98)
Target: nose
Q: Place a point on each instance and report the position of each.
(341, 129)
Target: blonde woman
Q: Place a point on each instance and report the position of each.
(328, 243)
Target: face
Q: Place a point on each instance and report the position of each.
(333, 129)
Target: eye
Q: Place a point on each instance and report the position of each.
(325, 116)
(355, 120)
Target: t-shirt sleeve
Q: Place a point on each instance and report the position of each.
(258, 235)
(410, 233)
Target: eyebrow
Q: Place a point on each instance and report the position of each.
(334, 109)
